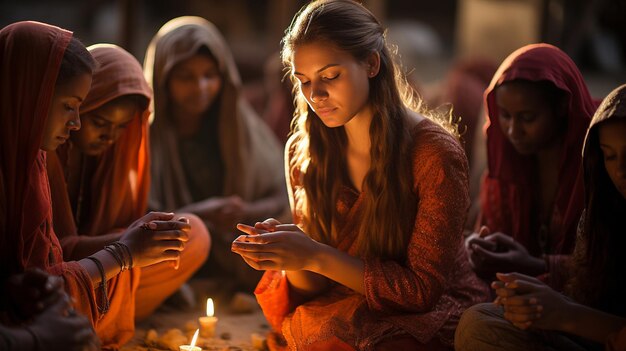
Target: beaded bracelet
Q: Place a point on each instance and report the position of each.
(126, 249)
(103, 286)
(112, 249)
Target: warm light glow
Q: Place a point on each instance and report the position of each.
(195, 338)
(209, 307)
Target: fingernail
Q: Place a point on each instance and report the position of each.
(540, 308)
(152, 225)
(533, 301)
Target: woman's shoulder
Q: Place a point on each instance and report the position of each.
(432, 140)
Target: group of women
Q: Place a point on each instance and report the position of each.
(357, 228)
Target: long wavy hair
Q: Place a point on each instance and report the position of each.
(599, 279)
(318, 152)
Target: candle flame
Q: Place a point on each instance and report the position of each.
(209, 307)
(195, 338)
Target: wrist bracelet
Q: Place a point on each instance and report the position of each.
(116, 255)
(103, 286)
(126, 249)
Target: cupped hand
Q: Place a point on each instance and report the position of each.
(156, 237)
(275, 246)
(490, 253)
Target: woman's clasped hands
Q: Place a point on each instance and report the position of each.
(271, 245)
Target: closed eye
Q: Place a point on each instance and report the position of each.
(331, 78)
(608, 156)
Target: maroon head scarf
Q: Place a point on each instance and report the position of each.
(507, 193)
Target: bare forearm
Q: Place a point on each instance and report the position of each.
(589, 323)
(340, 267)
(110, 265)
(88, 245)
(307, 283)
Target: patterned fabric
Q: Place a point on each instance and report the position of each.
(423, 297)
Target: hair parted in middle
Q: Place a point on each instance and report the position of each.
(389, 202)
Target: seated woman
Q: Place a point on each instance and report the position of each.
(536, 317)
(99, 180)
(211, 154)
(379, 192)
(539, 109)
(46, 74)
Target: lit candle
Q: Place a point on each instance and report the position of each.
(193, 346)
(207, 324)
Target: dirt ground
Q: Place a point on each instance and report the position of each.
(234, 330)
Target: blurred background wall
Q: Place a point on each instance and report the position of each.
(431, 35)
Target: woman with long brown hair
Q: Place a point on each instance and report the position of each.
(379, 193)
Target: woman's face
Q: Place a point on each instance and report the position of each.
(63, 115)
(528, 119)
(193, 85)
(103, 126)
(612, 135)
(334, 84)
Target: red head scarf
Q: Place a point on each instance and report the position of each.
(119, 187)
(507, 193)
(30, 58)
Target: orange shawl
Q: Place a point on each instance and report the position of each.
(30, 58)
(121, 181)
(119, 185)
(251, 154)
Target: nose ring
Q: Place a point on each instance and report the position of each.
(72, 123)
